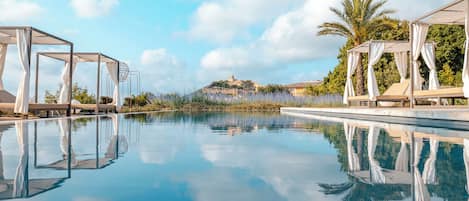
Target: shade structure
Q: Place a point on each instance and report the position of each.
(24, 37)
(454, 13)
(112, 65)
(375, 50)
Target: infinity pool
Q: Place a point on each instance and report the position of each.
(230, 156)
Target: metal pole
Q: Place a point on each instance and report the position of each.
(118, 84)
(30, 44)
(69, 151)
(412, 168)
(98, 84)
(130, 91)
(36, 87)
(35, 143)
(411, 98)
(70, 82)
(97, 142)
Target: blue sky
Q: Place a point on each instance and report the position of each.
(181, 45)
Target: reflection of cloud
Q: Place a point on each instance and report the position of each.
(159, 149)
(293, 175)
(224, 185)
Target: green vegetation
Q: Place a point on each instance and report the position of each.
(78, 93)
(245, 84)
(273, 88)
(360, 20)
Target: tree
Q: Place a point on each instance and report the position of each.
(272, 88)
(359, 19)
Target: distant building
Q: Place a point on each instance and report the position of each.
(231, 86)
(299, 89)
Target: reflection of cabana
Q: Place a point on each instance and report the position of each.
(112, 66)
(117, 144)
(24, 38)
(22, 186)
(375, 49)
(455, 13)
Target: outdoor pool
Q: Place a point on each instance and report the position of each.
(230, 156)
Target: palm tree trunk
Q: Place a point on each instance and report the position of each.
(360, 80)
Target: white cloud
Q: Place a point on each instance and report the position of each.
(93, 8)
(291, 38)
(164, 72)
(18, 10)
(223, 21)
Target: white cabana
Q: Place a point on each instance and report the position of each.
(455, 13)
(112, 66)
(352, 157)
(24, 38)
(375, 49)
(377, 175)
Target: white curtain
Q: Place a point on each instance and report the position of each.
(401, 62)
(429, 171)
(375, 53)
(20, 183)
(3, 54)
(352, 63)
(377, 175)
(428, 54)
(22, 96)
(352, 157)
(64, 127)
(114, 74)
(402, 161)
(466, 162)
(420, 189)
(465, 70)
(64, 91)
(419, 35)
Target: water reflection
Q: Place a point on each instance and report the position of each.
(215, 156)
(413, 172)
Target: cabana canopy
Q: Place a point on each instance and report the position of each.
(113, 67)
(455, 13)
(375, 49)
(24, 37)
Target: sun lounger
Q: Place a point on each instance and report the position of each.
(395, 93)
(439, 94)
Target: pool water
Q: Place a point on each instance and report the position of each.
(230, 156)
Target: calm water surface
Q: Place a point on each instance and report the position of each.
(230, 156)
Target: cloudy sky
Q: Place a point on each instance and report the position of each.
(180, 45)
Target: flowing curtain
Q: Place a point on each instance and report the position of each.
(22, 96)
(112, 149)
(352, 157)
(465, 70)
(419, 35)
(376, 51)
(402, 161)
(64, 127)
(64, 97)
(352, 63)
(114, 74)
(429, 171)
(428, 54)
(377, 175)
(401, 63)
(466, 162)
(420, 190)
(3, 54)
(20, 183)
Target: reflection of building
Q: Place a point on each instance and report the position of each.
(299, 89)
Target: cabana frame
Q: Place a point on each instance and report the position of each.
(8, 35)
(81, 57)
(454, 13)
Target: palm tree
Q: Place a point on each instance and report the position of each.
(358, 18)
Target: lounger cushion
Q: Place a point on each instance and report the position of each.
(440, 93)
